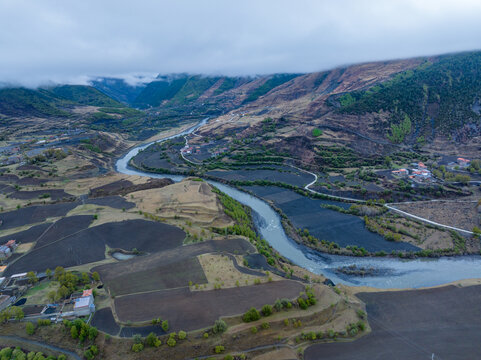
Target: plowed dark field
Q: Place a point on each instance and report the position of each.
(441, 323)
(34, 214)
(88, 245)
(188, 310)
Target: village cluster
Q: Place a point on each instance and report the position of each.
(19, 151)
(189, 150)
(418, 172)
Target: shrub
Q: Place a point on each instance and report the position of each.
(91, 352)
(254, 330)
(251, 315)
(302, 303)
(218, 349)
(152, 340)
(30, 328)
(361, 325)
(138, 339)
(278, 305)
(171, 342)
(182, 335)
(93, 332)
(361, 314)
(265, 325)
(228, 357)
(165, 325)
(266, 310)
(219, 326)
(137, 348)
(206, 335)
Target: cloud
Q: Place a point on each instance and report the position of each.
(71, 42)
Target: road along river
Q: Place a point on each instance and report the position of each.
(390, 272)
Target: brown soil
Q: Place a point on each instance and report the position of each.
(414, 325)
(463, 215)
(124, 187)
(189, 310)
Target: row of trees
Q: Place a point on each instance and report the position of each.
(9, 353)
(304, 301)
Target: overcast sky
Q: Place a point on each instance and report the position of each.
(70, 41)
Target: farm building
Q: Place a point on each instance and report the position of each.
(400, 172)
(12, 244)
(5, 252)
(84, 305)
(463, 162)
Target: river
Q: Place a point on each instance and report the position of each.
(391, 272)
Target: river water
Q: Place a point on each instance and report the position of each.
(391, 272)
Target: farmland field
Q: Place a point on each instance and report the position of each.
(233, 246)
(164, 276)
(414, 325)
(326, 224)
(189, 310)
(62, 228)
(34, 214)
(88, 245)
(166, 269)
(285, 175)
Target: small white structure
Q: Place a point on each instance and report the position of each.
(18, 276)
(401, 172)
(463, 162)
(84, 306)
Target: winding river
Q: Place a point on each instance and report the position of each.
(392, 272)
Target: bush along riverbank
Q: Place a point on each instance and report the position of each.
(244, 226)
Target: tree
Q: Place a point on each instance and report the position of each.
(182, 335)
(32, 278)
(165, 325)
(96, 276)
(62, 292)
(302, 303)
(138, 339)
(266, 310)
(476, 231)
(48, 272)
(93, 332)
(152, 340)
(52, 296)
(137, 348)
(219, 326)
(171, 342)
(85, 278)
(251, 315)
(463, 179)
(30, 328)
(74, 332)
(59, 271)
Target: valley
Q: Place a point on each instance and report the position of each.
(209, 216)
